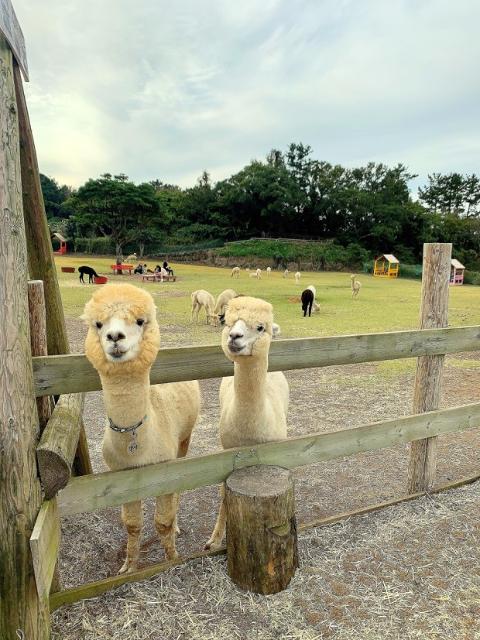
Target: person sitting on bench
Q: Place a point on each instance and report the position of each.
(167, 268)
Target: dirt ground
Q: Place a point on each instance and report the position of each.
(410, 571)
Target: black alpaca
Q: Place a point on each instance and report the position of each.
(88, 271)
(307, 302)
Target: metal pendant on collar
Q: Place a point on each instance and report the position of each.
(133, 446)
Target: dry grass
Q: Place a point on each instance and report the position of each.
(408, 572)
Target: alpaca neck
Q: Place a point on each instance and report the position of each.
(250, 381)
(127, 399)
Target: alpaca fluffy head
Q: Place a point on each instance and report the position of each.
(123, 335)
(249, 328)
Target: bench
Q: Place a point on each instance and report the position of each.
(157, 277)
(122, 267)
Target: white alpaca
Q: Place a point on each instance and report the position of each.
(269, 270)
(316, 306)
(256, 274)
(297, 277)
(285, 273)
(202, 298)
(146, 424)
(235, 272)
(356, 286)
(254, 403)
(222, 301)
(131, 258)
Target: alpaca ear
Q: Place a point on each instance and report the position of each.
(276, 331)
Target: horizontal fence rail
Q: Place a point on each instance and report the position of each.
(56, 375)
(88, 493)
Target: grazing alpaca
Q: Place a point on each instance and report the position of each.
(235, 272)
(202, 298)
(269, 269)
(356, 286)
(223, 300)
(146, 424)
(89, 271)
(297, 277)
(308, 301)
(285, 273)
(131, 258)
(254, 403)
(256, 274)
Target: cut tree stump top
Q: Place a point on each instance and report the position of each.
(261, 481)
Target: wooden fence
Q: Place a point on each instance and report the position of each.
(73, 374)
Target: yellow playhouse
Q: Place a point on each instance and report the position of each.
(386, 266)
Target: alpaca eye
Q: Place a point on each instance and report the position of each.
(99, 325)
(260, 328)
(140, 322)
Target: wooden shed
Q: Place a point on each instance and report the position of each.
(63, 244)
(457, 271)
(386, 266)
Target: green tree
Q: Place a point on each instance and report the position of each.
(53, 196)
(113, 207)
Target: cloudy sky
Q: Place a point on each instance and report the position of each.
(159, 89)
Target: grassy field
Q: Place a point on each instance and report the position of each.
(383, 305)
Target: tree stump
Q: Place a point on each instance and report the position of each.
(261, 528)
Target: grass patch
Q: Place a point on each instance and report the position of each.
(383, 305)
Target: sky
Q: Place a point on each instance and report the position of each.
(164, 90)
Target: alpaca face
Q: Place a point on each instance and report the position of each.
(122, 329)
(241, 338)
(120, 340)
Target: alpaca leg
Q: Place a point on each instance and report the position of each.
(194, 309)
(165, 523)
(182, 452)
(216, 538)
(132, 518)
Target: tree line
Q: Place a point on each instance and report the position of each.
(288, 194)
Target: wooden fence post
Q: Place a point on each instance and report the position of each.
(261, 528)
(428, 378)
(40, 256)
(22, 612)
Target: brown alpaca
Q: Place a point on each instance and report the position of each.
(146, 424)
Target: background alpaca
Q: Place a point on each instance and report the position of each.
(223, 300)
(202, 298)
(85, 270)
(131, 258)
(122, 343)
(269, 269)
(297, 277)
(285, 273)
(308, 302)
(256, 274)
(254, 403)
(356, 286)
(235, 272)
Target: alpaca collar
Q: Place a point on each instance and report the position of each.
(118, 429)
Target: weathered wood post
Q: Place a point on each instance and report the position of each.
(261, 528)
(22, 613)
(40, 255)
(38, 341)
(428, 378)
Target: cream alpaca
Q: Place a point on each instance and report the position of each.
(235, 272)
(285, 273)
(202, 298)
(356, 286)
(269, 270)
(256, 274)
(122, 343)
(222, 301)
(297, 277)
(254, 403)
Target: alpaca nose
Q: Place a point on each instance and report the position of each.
(235, 335)
(115, 336)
